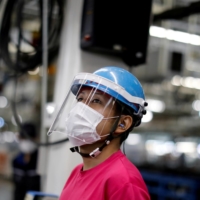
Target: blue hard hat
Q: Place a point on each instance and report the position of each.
(126, 80)
(121, 77)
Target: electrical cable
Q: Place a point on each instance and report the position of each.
(28, 61)
(18, 122)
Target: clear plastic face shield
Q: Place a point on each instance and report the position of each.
(89, 111)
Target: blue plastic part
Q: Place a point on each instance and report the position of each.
(164, 186)
(121, 77)
(42, 194)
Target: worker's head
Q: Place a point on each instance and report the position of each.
(27, 137)
(109, 101)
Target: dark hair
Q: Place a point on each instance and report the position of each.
(28, 130)
(126, 110)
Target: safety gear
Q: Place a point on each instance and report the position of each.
(80, 128)
(113, 84)
(130, 90)
(96, 151)
(27, 146)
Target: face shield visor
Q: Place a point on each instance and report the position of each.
(89, 111)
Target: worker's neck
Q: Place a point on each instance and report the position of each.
(89, 162)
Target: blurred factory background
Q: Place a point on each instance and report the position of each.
(35, 75)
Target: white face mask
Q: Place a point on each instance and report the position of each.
(26, 146)
(81, 125)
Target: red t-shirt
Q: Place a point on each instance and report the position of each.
(114, 179)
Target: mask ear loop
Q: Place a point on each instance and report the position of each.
(115, 126)
(110, 137)
(110, 100)
(116, 123)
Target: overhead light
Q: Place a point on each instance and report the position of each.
(3, 102)
(169, 147)
(198, 149)
(186, 147)
(159, 148)
(157, 31)
(196, 105)
(197, 83)
(148, 117)
(177, 36)
(189, 82)
(50, 107)
(156, 105)
(176, 80)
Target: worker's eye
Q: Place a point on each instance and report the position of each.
(96, 101)
(79, 99)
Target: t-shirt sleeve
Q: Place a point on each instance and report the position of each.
(130, 192)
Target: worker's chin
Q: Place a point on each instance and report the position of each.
(94, 144)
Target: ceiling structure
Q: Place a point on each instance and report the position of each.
(172, 74)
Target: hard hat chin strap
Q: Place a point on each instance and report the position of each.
(97, 151)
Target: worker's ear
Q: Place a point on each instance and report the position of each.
(124, 124)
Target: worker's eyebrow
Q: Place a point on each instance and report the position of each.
(96, 92)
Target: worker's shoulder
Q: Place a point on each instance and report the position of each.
(124, 170)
